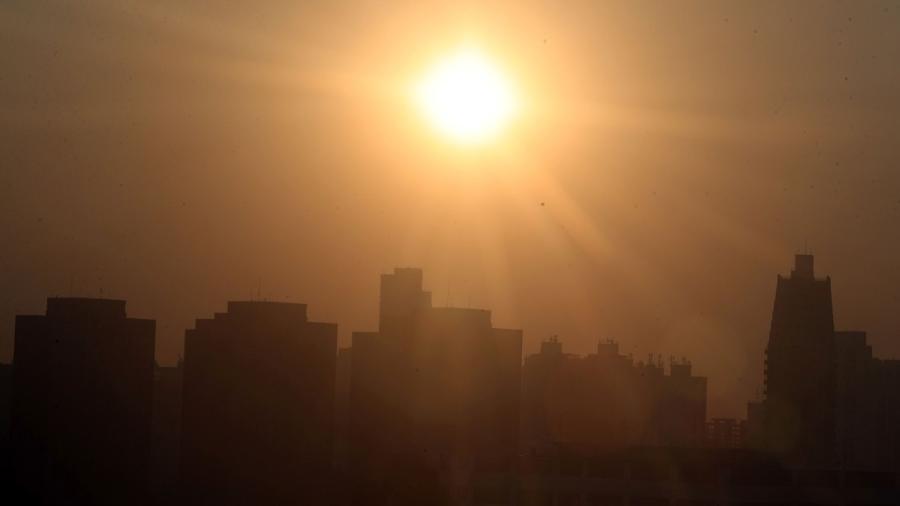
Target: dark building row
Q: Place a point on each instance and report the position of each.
(433, 407)
(607, 401)
(247, 418)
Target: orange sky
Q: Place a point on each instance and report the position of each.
(671, 160)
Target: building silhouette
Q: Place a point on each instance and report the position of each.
(257, 422)
(800, 376)
(605, 401)
(434, 399)
(82, 401)
(434, 407)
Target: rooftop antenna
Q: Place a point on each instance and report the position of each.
(806, 250)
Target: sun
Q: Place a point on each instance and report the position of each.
(467, 98)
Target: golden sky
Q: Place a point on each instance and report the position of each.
(668, 160)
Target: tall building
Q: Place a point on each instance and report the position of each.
(82, 401)
(434, 398)
(605, 401)
(257, 422)
(800, 368)
(829, 402)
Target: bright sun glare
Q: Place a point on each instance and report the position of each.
(467, 98)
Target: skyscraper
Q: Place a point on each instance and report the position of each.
(82, 401)
(257, 423)
(800, 368)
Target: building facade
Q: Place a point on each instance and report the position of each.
(82, 403)
(257, 422)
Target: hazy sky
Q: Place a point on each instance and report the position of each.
(670, 159)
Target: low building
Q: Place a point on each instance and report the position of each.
(607, 401)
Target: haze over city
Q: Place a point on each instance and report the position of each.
(633, 171)
(664, 161)
(450, 253)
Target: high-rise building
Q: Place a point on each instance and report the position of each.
(82, 402)
(434, 398)
(828, 402)
(800, 368)
(257, 423)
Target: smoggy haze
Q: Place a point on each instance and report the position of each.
(671, 161)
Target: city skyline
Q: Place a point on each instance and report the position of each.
(437, 405)
(733, 407)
